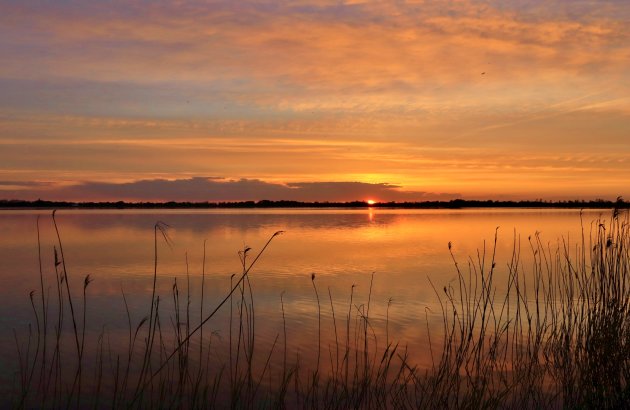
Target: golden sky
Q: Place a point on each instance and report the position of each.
(328, 100)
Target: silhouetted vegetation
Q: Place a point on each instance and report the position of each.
(557, 336)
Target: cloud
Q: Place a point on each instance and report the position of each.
(579, 153)
(300, 61)
(318, 55)
(24, 184)
(198, 189)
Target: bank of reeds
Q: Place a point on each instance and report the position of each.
(548, 331)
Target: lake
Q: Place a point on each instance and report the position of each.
(395, 253)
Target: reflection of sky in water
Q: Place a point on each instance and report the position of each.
(343, 247)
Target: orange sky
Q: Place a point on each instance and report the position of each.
(404, 101)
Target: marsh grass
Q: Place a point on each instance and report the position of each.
(548, 331)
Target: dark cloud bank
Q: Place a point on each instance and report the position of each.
(200, 189)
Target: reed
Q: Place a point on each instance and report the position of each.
(548, 331)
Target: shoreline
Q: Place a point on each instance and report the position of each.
(267, 204)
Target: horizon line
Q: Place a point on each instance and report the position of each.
(266, 203)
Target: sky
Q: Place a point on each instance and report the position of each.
(314, 100)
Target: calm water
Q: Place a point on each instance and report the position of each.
(402, 248)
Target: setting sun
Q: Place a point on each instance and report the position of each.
(370, 202)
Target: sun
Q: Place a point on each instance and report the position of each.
(370, 202)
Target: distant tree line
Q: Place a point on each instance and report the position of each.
(452, 204)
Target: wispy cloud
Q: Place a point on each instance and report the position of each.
(315, 51)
